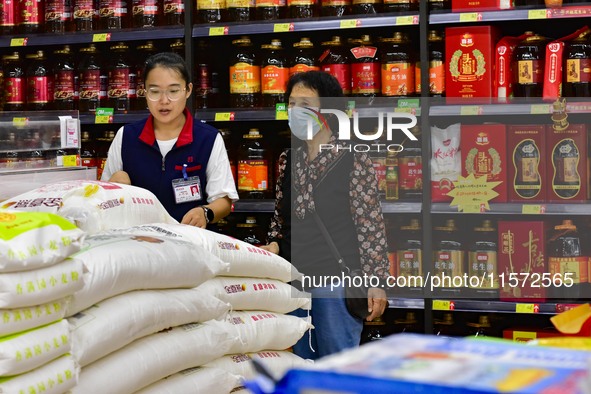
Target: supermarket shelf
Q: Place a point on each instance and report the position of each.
(134, 116)
(284, 26)
(94, 36)
(544, 308)
(254, 206)
(234, 114)
(401, 207)
(512, 15)
(514, 108)
(518, 208)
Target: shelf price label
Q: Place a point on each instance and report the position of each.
(282, 27)
(466, 110)
(527, 308)
(20, 122)
(470, 17)
(407, 20)
(440, 305)
(537, 14)
(101, 37)
(18, 42)
(537, 109)
(281, 111)
(350, 23)
(224, 117)
(71, 161)
(218, 31)
(529, 209)
(103, 116)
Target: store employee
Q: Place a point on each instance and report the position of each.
(182, 161)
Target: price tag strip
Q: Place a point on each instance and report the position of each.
(224, 117)
(527, 308)
(440, 305)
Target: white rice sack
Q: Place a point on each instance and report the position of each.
(121, 263)
(29, 288)
(30, 240)
(118, 321)
(277, 363)
(152, 358)
(259, 330)
(56, 377)
(244, 259)
(194, 380)
(28, 350)
(251, 294)
(22, 319)
(94, 205)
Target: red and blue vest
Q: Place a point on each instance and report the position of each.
(147, 168)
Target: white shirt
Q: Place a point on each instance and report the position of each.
(220, 182)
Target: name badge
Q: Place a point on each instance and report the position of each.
(186, 190)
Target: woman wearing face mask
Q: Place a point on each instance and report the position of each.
(182, 161)
(341, 187)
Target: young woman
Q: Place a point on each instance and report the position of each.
(182, 161)
(341, 188)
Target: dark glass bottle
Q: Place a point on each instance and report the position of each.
(8, 17)
(482, 260)
(526, 159)
(448, 257)
(267, 10)
(58, 15)
(410, 168)
(408, 323)
(335, 7)
(29, 16)
(85, 15)
(245, 75)
(577, 70)
(302, 9)
(439, 5)
(87, 152)
(254, 166)
(210, 11)
(250, 232)
(392, 179)
(436, 66)
(398, 67)
(92, 79)
(122, 80)
(174, 12)
(39, 83)
(335, 61)
(409, 254)
(144, 51)
(64, 76)
(400, 5)
(14, 83)
(145, 13)
(178, 47)
(445, 325)
(203, 90)
(528, 67)
(303, 58)
(482, 328)
(274, 74)
(241, 10)
(114, 14)
(366, 7)
(365, 68)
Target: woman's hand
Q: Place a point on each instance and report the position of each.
(195, 217)
(120, 177)
(376, 302)
(273, 247)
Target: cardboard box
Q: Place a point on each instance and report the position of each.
(484, 152)
(481, 5)
(526, 334)
(522, 250)
(470, 55)
(503, 81)
(554, 63)
(567, 166)
(526, 163)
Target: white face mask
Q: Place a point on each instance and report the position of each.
(304, 122)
